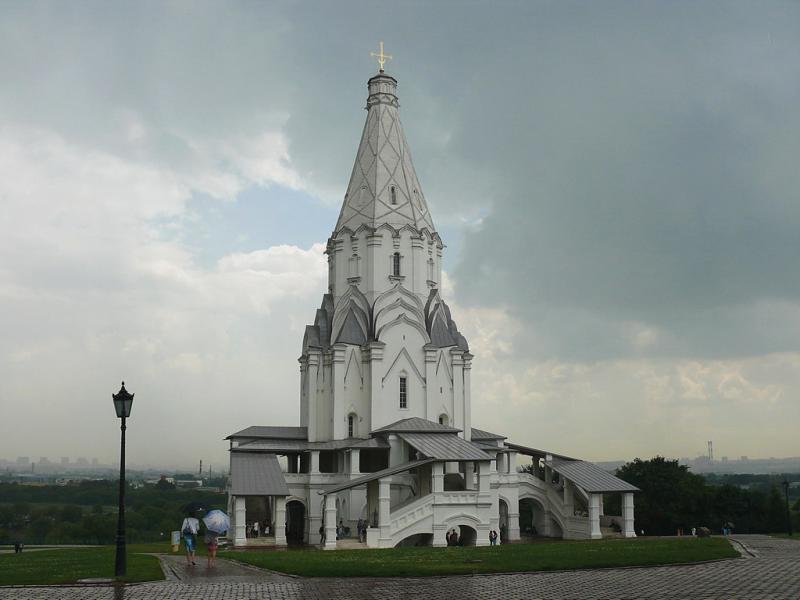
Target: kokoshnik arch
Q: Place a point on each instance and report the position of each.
(385, 430)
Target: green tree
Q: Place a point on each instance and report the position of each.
(671, 496)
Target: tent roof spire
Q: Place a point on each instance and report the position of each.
(383, 187)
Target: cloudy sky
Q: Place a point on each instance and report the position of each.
(617, 184)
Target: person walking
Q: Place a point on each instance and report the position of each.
(212, 544)
(255, 529)
(189, 529)
(322, 535)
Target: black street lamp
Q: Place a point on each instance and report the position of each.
(122, 404)
(788, 514)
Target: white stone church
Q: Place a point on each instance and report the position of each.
(386, 433)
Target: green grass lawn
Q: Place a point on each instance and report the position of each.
(500, 559)
(71, 564)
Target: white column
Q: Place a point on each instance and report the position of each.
(458, 392)
(512, 462)
(312, 375)
(314, 464)
(467, 396)
(513, 524)
(240, 520)
(437, 473)
(279, 524)
(483, 477)
(627, 515)
(384, 515)
(337, 377)
(330, 522)
(594, 516)
(569, 498)
(355, 457)
(431, 390)
(314, 510)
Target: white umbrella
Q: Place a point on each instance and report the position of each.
(217, 521)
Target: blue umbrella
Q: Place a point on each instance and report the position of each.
(217, 521)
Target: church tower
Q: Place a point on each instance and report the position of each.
(383, 346)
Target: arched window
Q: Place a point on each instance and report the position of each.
(396, 264)
(403, 392)
(443, 420)
(393, 193)
(351, 425)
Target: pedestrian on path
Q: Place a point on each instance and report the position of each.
(212, 544)
(189, 529)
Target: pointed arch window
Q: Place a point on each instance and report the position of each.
(403, 392)
(351, 425)
(393, 193)
(396, 264)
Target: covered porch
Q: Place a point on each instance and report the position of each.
(258, 494)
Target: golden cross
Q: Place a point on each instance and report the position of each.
(382, 58)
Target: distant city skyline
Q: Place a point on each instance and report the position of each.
(618, 201)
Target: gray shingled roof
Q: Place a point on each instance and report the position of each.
(257, 475)
(377, 475)
(444, 447)
(416, 424)
(536, 452)
(371, 443)
(479, 434)
(273, 445)
(590, 477)
(278, 433)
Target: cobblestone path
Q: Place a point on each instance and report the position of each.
(770, 570)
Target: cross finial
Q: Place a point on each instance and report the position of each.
(382, 58)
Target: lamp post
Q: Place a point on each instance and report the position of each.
(788, 514)
(122, 404)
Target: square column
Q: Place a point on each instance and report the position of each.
(279, 523)
(314, 466)
(483, 477)
(628, 529)
(330, 522)
(240, 521)
(384, 515)
(512, 462)
(437, 474)
(355, 461)
(594, 516)
(314, 518)
(569, 498)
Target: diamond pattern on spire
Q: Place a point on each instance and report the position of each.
(384, 162)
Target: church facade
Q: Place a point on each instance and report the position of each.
(385, 435)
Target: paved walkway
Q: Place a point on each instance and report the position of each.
(769, 571)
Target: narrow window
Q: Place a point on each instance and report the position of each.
(443, 420)
(403, 393)
(351, 425)
(396, 264)
(394, 195)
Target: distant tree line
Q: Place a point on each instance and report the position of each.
(87, 513)
(672, 497)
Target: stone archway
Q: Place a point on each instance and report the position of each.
(467, 536)
(531, 518)
(295, 522)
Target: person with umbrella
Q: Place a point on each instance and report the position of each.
(189, 529)
(217, 523)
